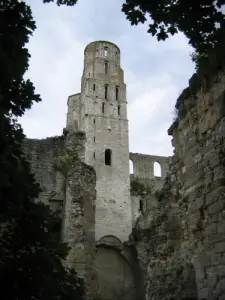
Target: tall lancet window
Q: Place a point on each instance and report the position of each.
(117, 92)
(106, 91)
(106, 67)
(106, 51)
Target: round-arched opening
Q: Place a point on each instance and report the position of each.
(115, 279)
(131, 165)
(157, 169)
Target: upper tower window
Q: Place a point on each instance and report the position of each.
(106, 67)
(103, 108)
(106, 51)
(118, 109)
(108, 157)
(93, 87)
(117, 92)
(106, 91)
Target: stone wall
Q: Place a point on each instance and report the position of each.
(144, 172)
(117, 270)
(73, 112)
(143, 168)
(199, 142)
(181, 242)
(68, 184)
(42, 155)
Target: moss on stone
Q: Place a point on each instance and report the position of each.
(66, 162)
(138, 188)
(166, 191)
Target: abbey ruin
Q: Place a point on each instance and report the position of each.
(138, 236)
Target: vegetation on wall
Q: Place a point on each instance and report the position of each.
(167, 190)
(151, 232)
(137, 188)
(140, 234)
(66, 162)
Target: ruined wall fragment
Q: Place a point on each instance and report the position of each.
(181, 241)
(201, 162)
(144, 182)
(68, 184)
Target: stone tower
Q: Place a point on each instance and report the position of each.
(102, 116)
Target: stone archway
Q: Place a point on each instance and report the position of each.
(115, 279)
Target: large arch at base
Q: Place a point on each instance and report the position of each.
(115, 278)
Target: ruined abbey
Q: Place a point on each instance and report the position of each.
(138, 236)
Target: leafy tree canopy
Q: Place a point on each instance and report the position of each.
(62, 2)
(200, 20)
(30, 252)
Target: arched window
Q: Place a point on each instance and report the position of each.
(117, 92)
(108, 157)
(103, 107)
(105, 51)
(93, 87)
(106, 91)
(131, 167)
(118, 109)
(106, 67)
(157, 169)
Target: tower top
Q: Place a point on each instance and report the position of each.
(95, 44)
(102, 50)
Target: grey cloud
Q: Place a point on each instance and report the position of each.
(155, 72)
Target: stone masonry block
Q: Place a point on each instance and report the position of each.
(219, 247)
(215, 208)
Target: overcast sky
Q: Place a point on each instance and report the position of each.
(155, 72)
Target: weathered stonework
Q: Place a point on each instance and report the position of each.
(177, 246)
(91, 189)
(180, 241)
(68, 185)
(203, 181)
(103, 116)
(143, 173)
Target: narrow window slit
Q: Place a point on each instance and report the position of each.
(106, 91)
(117, 92)
(108, 157)
(119, 110)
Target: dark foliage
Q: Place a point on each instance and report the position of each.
(198, 20)
(30, 252)
(62, 2)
